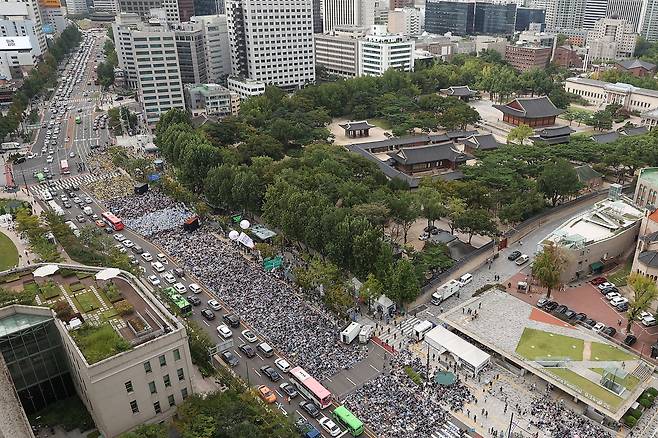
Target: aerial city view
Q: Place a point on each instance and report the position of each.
(329, 218)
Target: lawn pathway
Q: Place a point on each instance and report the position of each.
(587, 350)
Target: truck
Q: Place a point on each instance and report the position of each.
(350, 332)
(73, 227)
(55, 208)
(365, 334)
(420, 329)
(10, 146)
(445, 291)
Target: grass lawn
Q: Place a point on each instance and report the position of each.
(109, 313)
(98, 343)
(380, 122)
(538, 344)
(602, 351)
(8, 253)
(87, 302)
(629, 382)
(620, 276)
(49, 291)
(587, 386)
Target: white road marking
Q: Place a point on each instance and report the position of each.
(206, 323)
(374, 368)
(350, 380)
(260, 357)
(256, 371)
(280, 395)
(236, 352)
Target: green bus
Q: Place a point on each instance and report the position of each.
(40, 177)
(78, 120)
(348, 420)
(179, 301)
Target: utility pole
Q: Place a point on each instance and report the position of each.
(511, 418)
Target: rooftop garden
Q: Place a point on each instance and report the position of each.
(99, 342)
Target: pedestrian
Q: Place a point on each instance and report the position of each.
(480, 305)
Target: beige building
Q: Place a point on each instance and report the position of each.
(141, 384)
(598, 236)
(645, 260)
(611, 39)
(338, 51)
(600, 94)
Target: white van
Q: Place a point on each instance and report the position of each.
(465, 279)
(87, 210)
(264, 348)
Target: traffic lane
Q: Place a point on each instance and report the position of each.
(348, 380)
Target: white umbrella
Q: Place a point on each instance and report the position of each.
(244, 224)
(233, 235)
(108, 273)
(45, 271)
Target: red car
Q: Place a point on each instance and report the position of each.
(598, 280)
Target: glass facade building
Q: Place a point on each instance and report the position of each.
(32, 349)
(491, 19)
(525, 16)
(446, 16)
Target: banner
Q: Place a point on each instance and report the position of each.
(246, 240)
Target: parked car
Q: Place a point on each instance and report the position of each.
(289, 389)
(310, 408)
(580, 316)
(605, 285)
(598, 280)
(569, 314)
(610, 331)
(282, 364)
(249, 336)
(560, 309)
(208, 314)
(194, 300)
(598, 327)
(514, 255)
(616, 302)
(214, 305)
(622, 307)
(523, 259)
(271, 373)
(195, 288)
(607, 290)
(224, 332)
(550, 306)
(230, 358)
(232, 320)
(648, 320)
(612, 295)
(630, 340)
(541, 302)
(248, 350)
(589, 323)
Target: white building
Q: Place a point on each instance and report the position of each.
(600, 94)
(338, 51)
(16, 57)
(123, 26)
(611, 39)
(564, 14)
(25, 13)
(378, 53)
(76, 7)
(245, 88)
(272, 42)
(211, 100)
(216, 46)
(109, 6)
(406, 21)
(55, 16)
(347, 12)
(649, 20)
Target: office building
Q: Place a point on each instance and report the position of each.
(143, 8)
(564, 14)
(528, 57)
(567, 57)
(272, 42)
(600, 94)
(50, 359)
(317, 17)
(378, 53)
(629, 10)
(54, 16)
(493, 19)
(25, 13)
(395, 4)
(611, 39)
(245, 88)
(527, 16)
(648, 27)
(211, 100)
(77, 7)
(107, 6)
(16, 57)
(594, 11)
(338, 50)
(208, 7)
(405, 21)
(540, 39)
(446, 16)
(191, 53)
(347, 12)
(216, 46)
(122, 29)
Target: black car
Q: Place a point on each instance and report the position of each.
(622, 307)
(310, 408)
(607, 290)
(514, 255)
(569, 314)
(580, 316)
(248, 350)
(195, 301)
(551, 305)
(232, 320)
(109, 230)
(589, 323)
(561, 309)
(230, 358)
(289, 389)
(208, 314)
(610, 331)
(630, 340)
(271, 373)
(179, 273)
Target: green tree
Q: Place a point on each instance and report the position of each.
(644, 292)
(371, 290)
(476, 221)
(147, 431)
(558, 180)
(601, 120)
(548, 267)
(431, 204)
(405, 210)
(519, 134)
(403, 286)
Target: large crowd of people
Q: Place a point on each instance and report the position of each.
(561, 422)
(310, 338)
(394, 406)
(149, 213)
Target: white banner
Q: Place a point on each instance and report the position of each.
(246, 240)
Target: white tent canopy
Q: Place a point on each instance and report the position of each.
(108, 273)
(443, 339)
(45, 270)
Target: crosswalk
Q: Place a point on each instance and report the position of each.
(400, 332)
(65, 183)
(447, 430)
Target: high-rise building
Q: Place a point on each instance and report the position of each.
(564, 14)
(394, 4)
(594, 11)
(208, 7)
(54, 15)
(347, 12)
(122, 28)
(338, 51)
(140, 7)
(16, 57)
(446, 16)
(77, 7)
(108, 6)
(143, 8)
(191, 54)
(272, 42)
(611, 39)
(27, 11)
(404, 20)
(649, 20)
(494, 18)
(629, 10)
(15, 21)
(378, 53)
(216, 46)
(526, 16)
(317, 16)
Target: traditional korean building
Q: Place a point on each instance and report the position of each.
(532, 111)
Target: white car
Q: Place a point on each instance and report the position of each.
(180, 288)
(161, 258)
(648, 320)
(155, 281)
(128, 243)
(612, 295)
(147, 256)
(282, 364)
(49, 159)
(214, 305)
(465, 279)
(195, 288)
(598, 327)
(169, 278)
(605, 285)
(157, 266)
(618, 300)
(329, 426)
(224, 331)
(249, 336)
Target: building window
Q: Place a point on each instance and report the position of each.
(181, 375)
(167, 381)
(147, 366)
(156, 408)
(134, 407)
(172, 402)
(163, 360)
(152, 388)
(129, 386)
(183, 393)
(176, 354)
